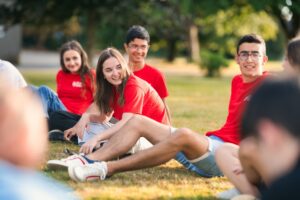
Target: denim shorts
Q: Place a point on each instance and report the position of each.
(205, 167)
(208, 164)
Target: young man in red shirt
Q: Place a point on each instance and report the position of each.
(168, 141)
(137, 44)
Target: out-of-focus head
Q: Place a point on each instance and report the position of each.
(23, 129)
(291, 62)
(276, 100)
(270, 127)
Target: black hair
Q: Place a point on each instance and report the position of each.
(276, 100)
(251, 38)
(139, 32)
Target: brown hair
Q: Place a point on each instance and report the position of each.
(105, 91)
(85, 67)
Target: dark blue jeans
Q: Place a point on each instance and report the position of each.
(49, 99)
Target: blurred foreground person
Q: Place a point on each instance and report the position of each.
(23, 146)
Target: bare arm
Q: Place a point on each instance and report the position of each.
(167, 110)
(89, 145)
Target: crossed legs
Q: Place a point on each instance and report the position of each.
(166, 145)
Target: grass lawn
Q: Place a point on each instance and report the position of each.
(195, 102)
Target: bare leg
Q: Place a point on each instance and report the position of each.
(228, 161)
(123, 140)
(251, 166)
(191, 143)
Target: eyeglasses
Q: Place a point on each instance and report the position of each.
(137, 47)
(245, 55)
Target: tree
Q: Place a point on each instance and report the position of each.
(287, 12)
(179, 22)
(51, 13)
(233, 23)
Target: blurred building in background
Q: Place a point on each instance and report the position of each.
(10, 43)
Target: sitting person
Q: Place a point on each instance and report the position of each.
(228, 157)
(23, 145)
(136, 44)
(168, 142)
(119, 94)
(75, 82)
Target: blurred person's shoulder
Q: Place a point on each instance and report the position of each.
(19, 184)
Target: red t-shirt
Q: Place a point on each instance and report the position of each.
(240, 95)
(140, 98)
(155, 78)
(71, 92)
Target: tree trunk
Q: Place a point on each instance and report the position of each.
(171, 52)
(194, 43)
(91, 28)
(290, 28)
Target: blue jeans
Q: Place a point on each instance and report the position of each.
(49, 99)
(206, 167)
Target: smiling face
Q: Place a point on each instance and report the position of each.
(72, 61)
(137, 51)
(251, 59)
(112, 71)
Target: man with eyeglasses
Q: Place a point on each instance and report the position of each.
(251, 57)
(169, 141)
(137, 44)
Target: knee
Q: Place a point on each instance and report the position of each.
(225, 152)
(183, 136)
(44, 91)
(135, 121)
(226, 149)
(44, 88)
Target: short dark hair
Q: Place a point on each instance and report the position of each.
(139, 32)
(276, 100)
(293, 52)
(251, 38)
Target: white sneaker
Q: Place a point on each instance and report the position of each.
(245, 197)
(88, 172)
(65, 163)
(228, 194)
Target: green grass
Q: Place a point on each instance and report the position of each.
(195, 102)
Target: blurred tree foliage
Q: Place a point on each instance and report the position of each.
(212, 62)
(233, 23)
(176, 27)
(286, 12)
